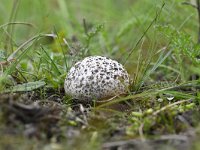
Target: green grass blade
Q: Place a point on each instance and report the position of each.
(25, 87)
(55, 68)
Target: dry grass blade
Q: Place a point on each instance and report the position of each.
(16, 23)
(150, 93)
(170, 105)
(22, 46)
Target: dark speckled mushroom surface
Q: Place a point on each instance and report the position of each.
(96, 77)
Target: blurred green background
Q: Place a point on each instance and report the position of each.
(124, 21)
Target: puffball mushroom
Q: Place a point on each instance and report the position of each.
(96, 77)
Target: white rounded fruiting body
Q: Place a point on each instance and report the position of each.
(97, 78)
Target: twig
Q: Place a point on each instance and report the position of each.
(85, 26)
(198, 10)
(172, 137)
(141, 133)
(138, 142)
(190, 4)
(120, 143)
(197, 6)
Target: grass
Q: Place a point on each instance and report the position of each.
(155, 40)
